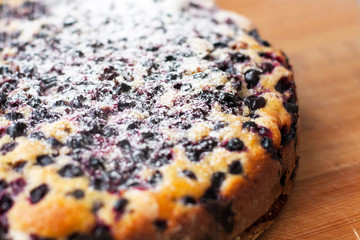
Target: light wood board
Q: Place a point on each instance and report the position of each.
(322, 39)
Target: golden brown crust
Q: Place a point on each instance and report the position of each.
(82, 167)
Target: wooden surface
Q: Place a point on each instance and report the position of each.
(322, 39)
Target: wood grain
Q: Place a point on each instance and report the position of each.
(322, 39)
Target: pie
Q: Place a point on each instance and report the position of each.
(132, 120)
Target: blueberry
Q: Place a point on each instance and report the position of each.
(78, 194)
(212, 192)
(155, 178)
(54, 142)
(8, 147)
(123, 88)
(170, 58)
(228, 99)
(81, 140)
(134, 125)
(70, 171)
(120, 205)
(194, 151)
(3, 184)
(161, 224)
(252, 77)
(37, 135)
(99, 183)
(44, 160)
(267, 67)
(5, 203)
(38, 193)
(267, 144)
(220, 45)
(17, 130)
(172, 76)
(254, 102)
(235, 167)
(125, 145)
(235, 144)
(189, 174)
(13, 116)
(17, 186)
(39, 114)
(252, 126)
(220, 125)
(124, 104)
(283, 85)
(188, 200)
(109, 131)
(18, 167)
(238, 57)
(291, 107)
(34, 102)
(96, 163)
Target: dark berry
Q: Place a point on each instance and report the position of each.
(170, 58)
(96, 163)
(189, 174)
(34, 102)
(39, 114)
(267, 67)
(212, 192)
(54, 142)
(5, 203)
(44, 160)
(8, 147)
(235, 144)
(81, 140)
(141, 155)
(18, 166)
(255, 103)
(252, 126)
(125, 145)
(155, 178)
(160, 224)
(123, 88)
(235, 167)
(134, 125)
(120, 205)
(70, 171)
(78, 194)
(194, 151)
(220, 125)
(17, 129)
(291, 107)
(38, 193)
(37, 135)
(99, 183)
(238, 57)
(13, 116)
(228, 99)
(220, 45)
(252, 77)
(17, 185)
(125, 104)
(267, 144)
(3, 184)
(283, 85)
(188, 200)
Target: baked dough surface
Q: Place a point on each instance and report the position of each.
(143, 119)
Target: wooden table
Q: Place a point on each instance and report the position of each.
(322, 39)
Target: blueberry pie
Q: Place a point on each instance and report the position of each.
(132, 120)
